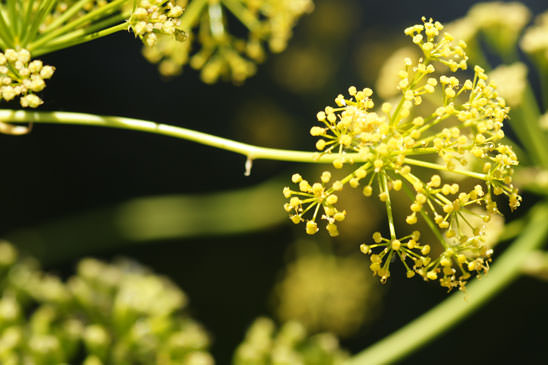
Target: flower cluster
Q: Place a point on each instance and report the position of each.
(290, 344)
(222, 54)
(107, 313)
(153, 17)
(396, 145)
(499, 23)
(21, 77)
(310, 281)
(535, 41)
(511, 81)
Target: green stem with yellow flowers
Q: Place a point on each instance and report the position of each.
(412, 336)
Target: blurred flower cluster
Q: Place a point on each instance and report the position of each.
(167, 29)
(396, 144)
(264, 344)
(105, 314)
(222, 53)
(326, 292)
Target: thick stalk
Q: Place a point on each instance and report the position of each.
(451, 311)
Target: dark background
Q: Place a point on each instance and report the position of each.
(60, 171)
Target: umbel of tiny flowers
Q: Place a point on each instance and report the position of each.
(264, 343)
(21, 77)
(535, 43)
(32, 28)
(37, 27)
(156, 17)
(43, 26)
(223, 54)
(391, 148)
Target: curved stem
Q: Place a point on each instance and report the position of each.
(252, 152)
(439, 319)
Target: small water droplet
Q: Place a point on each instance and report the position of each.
(248, 165)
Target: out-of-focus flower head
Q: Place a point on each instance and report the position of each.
(535, 42)
(220, 53)
(290, 344)
(388, 78)
(501, 23)
(326, 292)
(511, 81)
(543, 121)
(393, 147)
(118, 313)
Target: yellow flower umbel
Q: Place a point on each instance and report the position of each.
(221, 54)
(393, 148)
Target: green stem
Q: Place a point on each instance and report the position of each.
(80, 37)
(27, 24)
(216, 25)
(439, 319)
(383, 183)
(511, 229)
(153, 218)
(544, 87)
(525, 123)
(436, 166)
(38, 17)
(13, 19)
(242, 13)
(5, 31)
(89, 17)
(252, 152)
(67, 14)
(191, 14)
